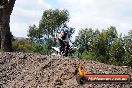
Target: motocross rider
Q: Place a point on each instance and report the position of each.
(63, 41)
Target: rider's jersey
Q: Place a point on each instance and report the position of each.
(63, 37)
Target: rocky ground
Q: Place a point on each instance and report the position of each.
(25, 70)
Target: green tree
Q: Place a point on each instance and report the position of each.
(53, 21)
(34, 33)
(117, 51)
(128, 49)
(84, 39)
(96, 43)
(128, 42)
(102, 43)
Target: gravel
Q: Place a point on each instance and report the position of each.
(27, 70)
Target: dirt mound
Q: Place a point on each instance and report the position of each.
(25, 70)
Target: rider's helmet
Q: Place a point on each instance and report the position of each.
(62, 32)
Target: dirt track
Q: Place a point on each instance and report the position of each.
(24, 70)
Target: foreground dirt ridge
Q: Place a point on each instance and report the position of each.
(27, 70)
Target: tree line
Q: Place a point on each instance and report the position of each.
(106, 46)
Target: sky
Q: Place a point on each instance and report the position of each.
(96, 14)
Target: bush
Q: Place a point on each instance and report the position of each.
(127, 60)
(21, 46)
(87, 55)
(40, 48)
(26, 46)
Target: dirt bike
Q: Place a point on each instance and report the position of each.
(57, 51)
